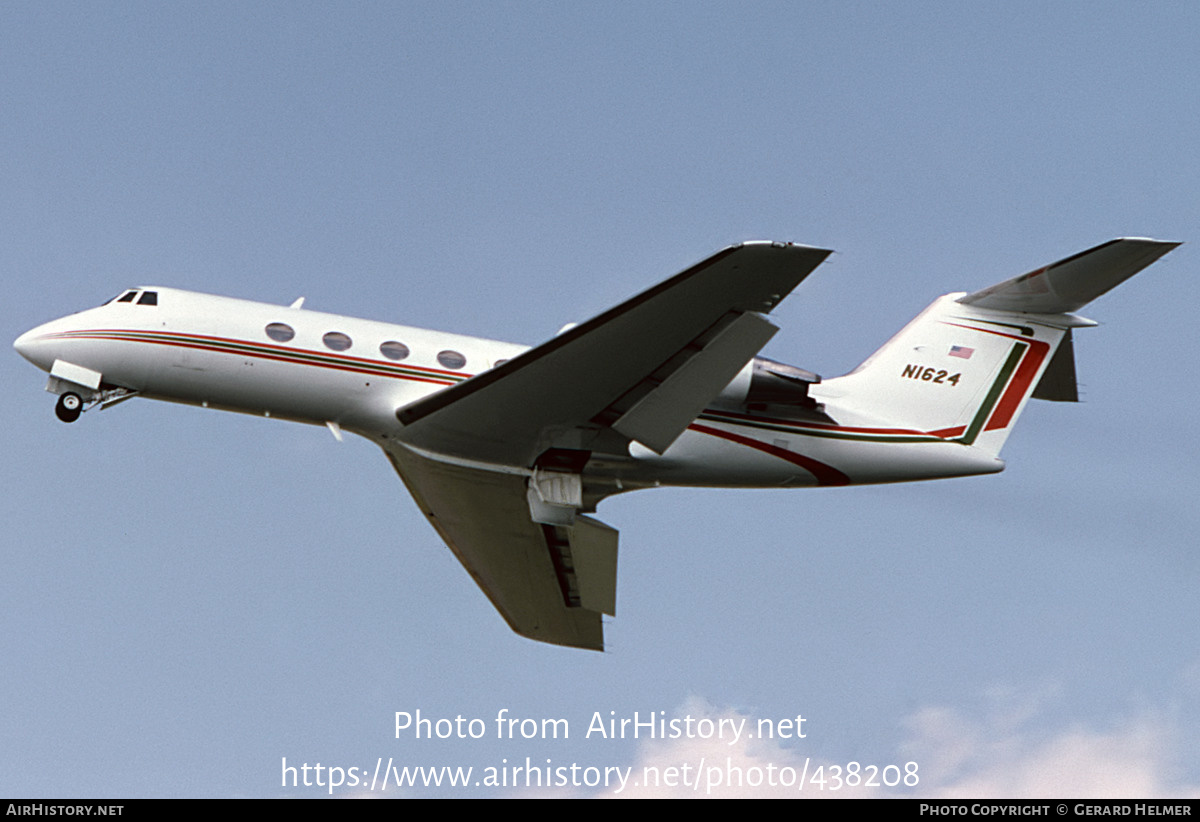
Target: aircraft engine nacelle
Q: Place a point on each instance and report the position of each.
(765, 382)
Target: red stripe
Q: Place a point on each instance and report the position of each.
(1021, 382)
(1018, 386)
(295, 356)
(825, 474)
(816, 426)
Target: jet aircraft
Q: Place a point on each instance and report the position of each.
(508, 449)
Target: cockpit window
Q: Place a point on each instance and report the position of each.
(132, 295)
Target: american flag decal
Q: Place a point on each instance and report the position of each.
(961, 351)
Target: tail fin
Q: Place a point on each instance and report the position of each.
(965, 367)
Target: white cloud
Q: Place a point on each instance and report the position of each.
(1007, 757)
(1014, 752)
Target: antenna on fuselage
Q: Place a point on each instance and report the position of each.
(298, 304)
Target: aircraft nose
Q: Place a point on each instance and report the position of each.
(31, 348)
(23, 344)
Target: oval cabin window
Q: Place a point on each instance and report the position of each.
(393, 350)
(451, 359)
(280, 332)
(337, 341)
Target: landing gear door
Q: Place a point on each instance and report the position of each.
(66, 376)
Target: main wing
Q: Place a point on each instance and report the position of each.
(642, 371)
(550, 583)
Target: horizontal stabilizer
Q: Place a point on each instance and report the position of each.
(1070, 284)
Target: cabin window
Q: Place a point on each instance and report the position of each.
(127, 297)
(280, 332)
(451, 359)
(148, 298)
(393, 350)
(337, 341)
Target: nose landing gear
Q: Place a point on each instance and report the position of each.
(72, 403)
(68, 407)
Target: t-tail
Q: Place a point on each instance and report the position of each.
(964, 368)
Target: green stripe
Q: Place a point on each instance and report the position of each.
(968, 438)
(287, 354)
(993, 395)
(818, 432)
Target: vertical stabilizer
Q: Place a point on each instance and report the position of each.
(965, 367)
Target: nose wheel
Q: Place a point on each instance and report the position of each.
(68, 407)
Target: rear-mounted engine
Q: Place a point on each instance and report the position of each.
(765, 382)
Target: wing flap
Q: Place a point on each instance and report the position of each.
(594, 549)
(660, 416)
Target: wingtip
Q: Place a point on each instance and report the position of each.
(783, 244)
(1168, 244)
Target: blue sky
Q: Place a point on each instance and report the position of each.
(193, 596)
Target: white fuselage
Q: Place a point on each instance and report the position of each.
(355, 374)
(507, 450)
